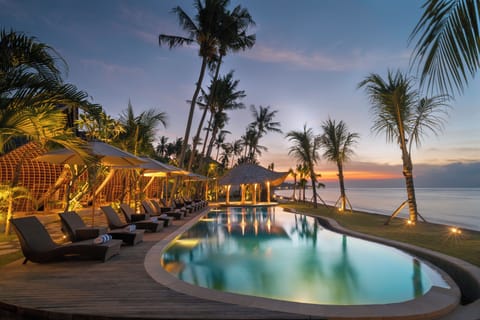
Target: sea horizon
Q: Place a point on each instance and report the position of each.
(457, 206)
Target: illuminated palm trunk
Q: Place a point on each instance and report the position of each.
(408, 174)
(343, 197)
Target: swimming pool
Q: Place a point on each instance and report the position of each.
(266, 252)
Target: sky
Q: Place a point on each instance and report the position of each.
(307, 62)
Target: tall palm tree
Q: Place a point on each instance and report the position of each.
(337, 143)
(305, 150)
(263, 120)
(232, 37)
(447, 52)
(405, 117)
(225, 97)
(262, 124)
(203, 30)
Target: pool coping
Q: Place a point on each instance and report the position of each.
(435, 303)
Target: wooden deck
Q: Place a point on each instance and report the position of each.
(117, 289)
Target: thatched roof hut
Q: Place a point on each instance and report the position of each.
(251, 174)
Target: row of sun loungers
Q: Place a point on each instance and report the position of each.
(97, 243)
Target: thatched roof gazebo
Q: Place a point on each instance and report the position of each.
(251, 174)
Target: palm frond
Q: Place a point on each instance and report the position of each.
(447, 51)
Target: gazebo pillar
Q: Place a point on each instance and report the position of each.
(242, 190)
(268, 191)
(254, 194)
(227, 200)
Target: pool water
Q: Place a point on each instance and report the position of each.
(266, 252)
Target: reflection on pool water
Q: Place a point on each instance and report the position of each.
(266, 252)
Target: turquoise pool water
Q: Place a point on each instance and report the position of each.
(267, 252)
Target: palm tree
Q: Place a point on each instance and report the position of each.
(224, 98)
(294, 174)
(305, 150)
(447, 51)
(220, 141)
(100, 127)
(203, 30)
(259, 127)
(34, 101)
(337, 143)
(237, 149)
(251, 146)
(399, 111)
(263, 122)
(140, 130)
(31, 93)
(232, 36)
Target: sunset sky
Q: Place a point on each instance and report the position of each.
(307, 62)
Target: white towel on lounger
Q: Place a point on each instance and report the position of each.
(102, 239)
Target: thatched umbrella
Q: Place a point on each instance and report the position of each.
(251, 174)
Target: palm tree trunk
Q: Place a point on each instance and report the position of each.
(412, 201)
(294, 185)
(200, 125)
(207, 135)
(314, 187)
(343, 197)
(190, 116)
(212, 141)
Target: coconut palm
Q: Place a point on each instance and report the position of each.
(447, 51)
(203, 30)
(262, 124)
(251, 146)
(140, 130)
(404, 117)
(305, 151)
(337, 143)
(224, 98)
(263, 120)
(237, 149)
(233, 37)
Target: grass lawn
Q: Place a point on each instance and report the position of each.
(465, 246)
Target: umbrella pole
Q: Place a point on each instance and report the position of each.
(93, 208)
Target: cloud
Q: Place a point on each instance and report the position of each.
(111, 69)
(358, 59)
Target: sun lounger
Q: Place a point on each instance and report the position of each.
(167, 220)
(114, 221)
(177, 214)
(141, 220)
(76, 229)
(37, 244)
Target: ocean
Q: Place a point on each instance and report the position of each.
(458, 207)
